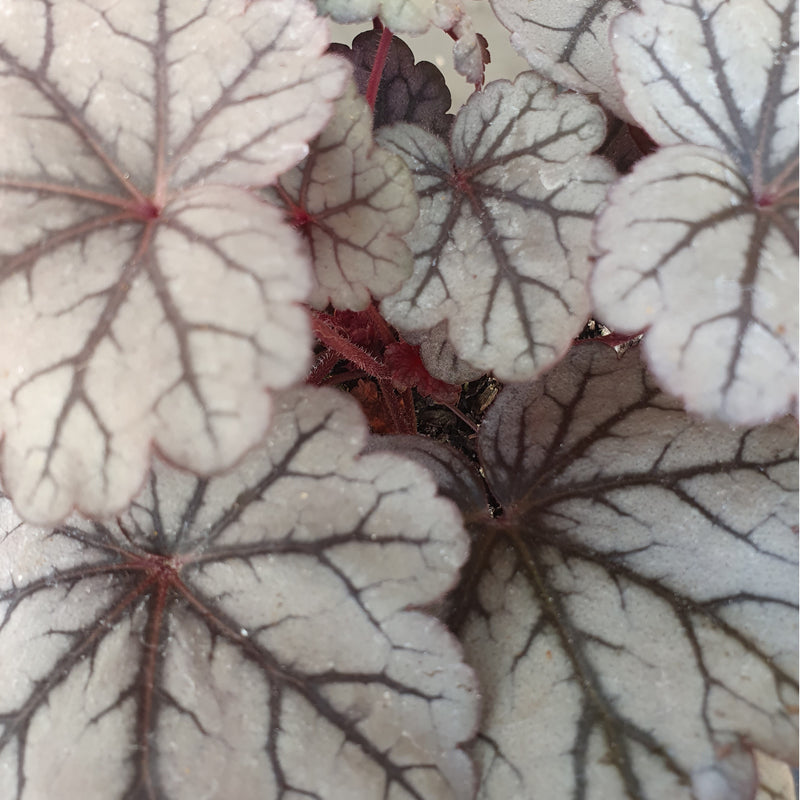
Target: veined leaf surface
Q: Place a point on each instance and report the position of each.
(502, 242)
(241, 636)
(632, 611)
(569, 42)
(354, 201)
(700, 242)
(141, 300)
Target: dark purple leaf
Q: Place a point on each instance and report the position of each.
(415, 18)
(408, 92)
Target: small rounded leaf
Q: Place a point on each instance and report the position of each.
(353, 200)
(689, 255)
(700, 242)
(502, 244)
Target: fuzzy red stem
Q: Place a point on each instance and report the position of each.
(325, 362)
(358, 357)
(377, 68)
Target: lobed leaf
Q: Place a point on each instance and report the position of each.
(719, 74)
(502, 242)
(210, 638)
(569, 43)
(354, 201)
(415, 18)
(408, 91)
(700, 242)
(687, 253)
(632, 611)
(143, 302)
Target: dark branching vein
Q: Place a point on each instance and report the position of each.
(284, 679)
(694, 228)
(533, 150)
(278, 471)
(225, 100)
(188, 375)
(548, 494)
(497, 754)
(28, 258)
(77, 394)
(70, 116)
(315, 548)
(584, 27)
(508, 275)
(470, 141)
(743, 154)
(161, 77)
(86, 645)
(558, 457)
(194, 237)
(618, 731)
(189, 514)
(487, 535)
(764, 171)
(744, 314)
(686, 100)
(432, 254)
(682, 605)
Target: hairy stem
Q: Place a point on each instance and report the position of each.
(377, 67)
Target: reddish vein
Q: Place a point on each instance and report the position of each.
(377, 67)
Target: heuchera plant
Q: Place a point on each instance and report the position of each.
(567, 566)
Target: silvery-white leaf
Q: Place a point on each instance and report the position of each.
(241, 636)
(146, 297)
(700, 242)
(632, 612)
(502, 243)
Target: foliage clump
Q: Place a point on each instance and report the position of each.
(568, 567)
